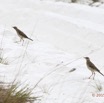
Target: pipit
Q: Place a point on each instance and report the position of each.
(92, 67)
(21, 34)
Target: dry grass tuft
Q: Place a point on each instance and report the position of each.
(12, 94)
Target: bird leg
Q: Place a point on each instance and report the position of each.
(22, 42)
(94, 75)
(91, 75)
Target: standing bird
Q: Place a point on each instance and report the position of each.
(92, 67)
(21, 34)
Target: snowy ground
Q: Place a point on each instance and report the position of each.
(63, 34)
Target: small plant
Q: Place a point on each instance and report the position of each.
(98, 86)
(45, 89)
(12, 94)
(2, 59)
(95, 0)
(73, 1)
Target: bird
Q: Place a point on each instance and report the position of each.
(92, 67)
(21, 34)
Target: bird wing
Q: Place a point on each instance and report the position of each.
(22, 33)
(93, 66)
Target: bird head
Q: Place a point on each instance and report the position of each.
(87, 58)
(14, 27)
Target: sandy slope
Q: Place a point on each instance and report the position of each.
(62, 33)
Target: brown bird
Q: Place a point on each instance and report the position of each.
(21, 34)
(92, 67)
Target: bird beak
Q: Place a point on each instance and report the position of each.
(84, 57)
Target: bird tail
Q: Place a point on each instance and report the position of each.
(101, 73)
(30, 39)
